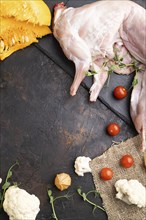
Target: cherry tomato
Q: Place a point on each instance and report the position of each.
(120, 92)
(106, 174)
(113, 129)
(127, 161)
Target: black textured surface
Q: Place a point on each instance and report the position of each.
(45, 129)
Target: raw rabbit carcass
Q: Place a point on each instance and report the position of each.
(93, 35)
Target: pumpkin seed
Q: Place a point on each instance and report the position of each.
(13, 41)
(2, 45)
(23, 39)
(6, 48)
(26, 39)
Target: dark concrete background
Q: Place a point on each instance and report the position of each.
(45, 129)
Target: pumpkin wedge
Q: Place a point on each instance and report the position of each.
(21, 23)
(34, 11)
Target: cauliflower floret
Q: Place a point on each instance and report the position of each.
(82, 165)
(131, 192)
(19, 204)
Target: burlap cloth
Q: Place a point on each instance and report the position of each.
(116, 209)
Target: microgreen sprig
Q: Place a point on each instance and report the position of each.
(134, 82)
(118, 64)
(84, 196)
(6, 184)
(90, 73)
(53, 199)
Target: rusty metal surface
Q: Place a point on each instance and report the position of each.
(45, 130)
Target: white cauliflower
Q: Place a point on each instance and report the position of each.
(0, 180)
(19, 204)
(82, 165)
(131, 192)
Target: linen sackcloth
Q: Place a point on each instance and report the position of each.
(115, 208)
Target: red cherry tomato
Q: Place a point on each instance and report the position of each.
(113, 129)
(120, 92)
(127, 161)
(106, 174)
